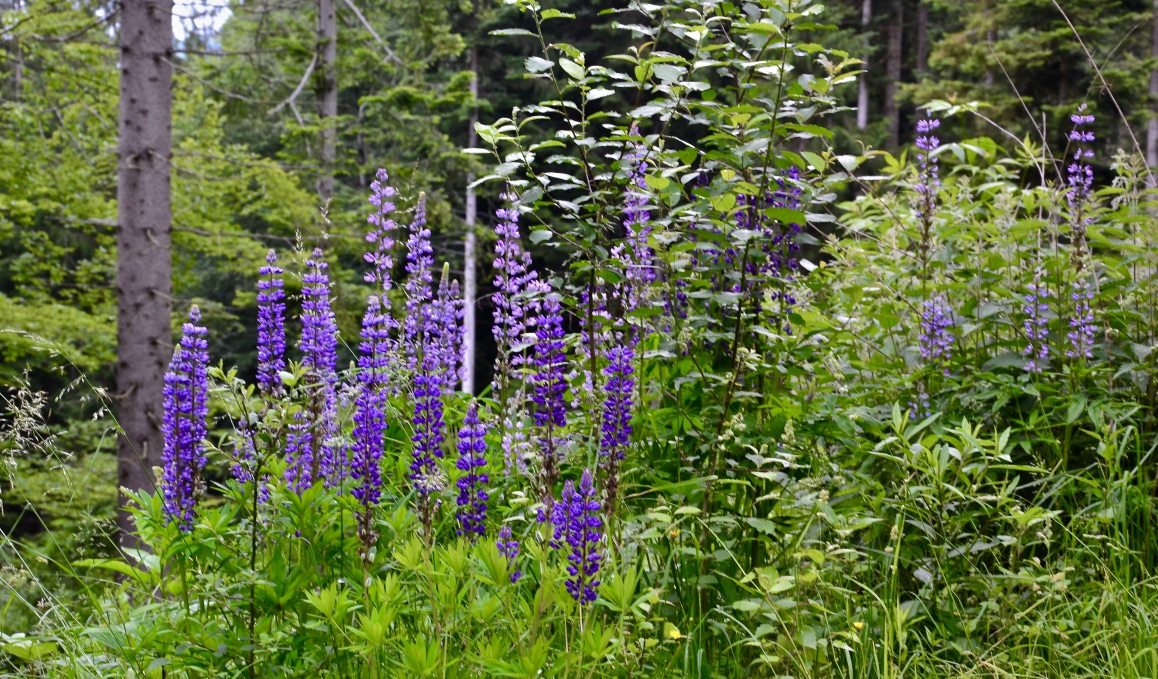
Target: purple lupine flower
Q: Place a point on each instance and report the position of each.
(417, 328)
(1036, 325)
(381, 237)
(577, 523)
(429, 433)
(617, 410)
(472, 485)
(186, 405)
(246, 463)
(513, 273)
(447, 340)
(936, 342)
(1082, 327)
(319, 346)
(549, 382)
(299, 454)
(270, 327)
(641, 270)
(1081, 182)
(513, 276)
(928, 173)
(920, 406)
(370, 418)
(509, 547)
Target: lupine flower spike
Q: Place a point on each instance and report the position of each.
(509, 547)
(513, 274)
(472, 486)
(550, 410)
(578, 526)
(319, 346)
(1036, 325)
(186, 406)
(936, 342)
(270, 327)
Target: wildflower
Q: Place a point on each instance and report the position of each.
(928, 173)
(919, 406)
(1082, 327)
(513, 275)
(1081, 180)
(617, 409)
(370, 418)
(509, 547)
(417, 328)
(186, 406)
(299, 454)
(576, 522)
(641, 270)
(319, 346)
(427, 440)
(550, 411)
(446, 331)
(270, 327)
(1036, 325)
(472, 493)
(936, 342)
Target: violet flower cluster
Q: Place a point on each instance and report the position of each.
(509, 547)
(418, 328)
(936, 342)
(186, 405)
(577, 525)
(472, 485)
(928, 174)
(1081, 180)
(369, 406)
(512, 310)
(615, 432)
(1082, 325)
(446, 341)
(319, 346)
(1036, 325)
(549, 381)
(270, 327)
(299, 454)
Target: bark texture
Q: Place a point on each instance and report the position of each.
(327, 91)
(469, 282)
(144, 335)
(862, 99)
(893, 65)
(1152, 124)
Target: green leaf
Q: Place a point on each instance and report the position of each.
(538, 64)
(572, 69)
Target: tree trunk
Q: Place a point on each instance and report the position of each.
(1152, 125)
(922, 37)
(893, 65)
(144, 337)
(862, 99)
(327, 91)
(469, 284)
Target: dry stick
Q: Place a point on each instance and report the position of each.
(385, 48)
(297, 90)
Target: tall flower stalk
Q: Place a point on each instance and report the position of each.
(928, 183)
(549, 385)
(186, 405)
(270, 327)
(1036, 325)
(513, 275)
(319, 346)
(1082, 322)
(370, 420)
(472, 485)
(578, 528)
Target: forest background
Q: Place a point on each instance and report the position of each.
(282, 111)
